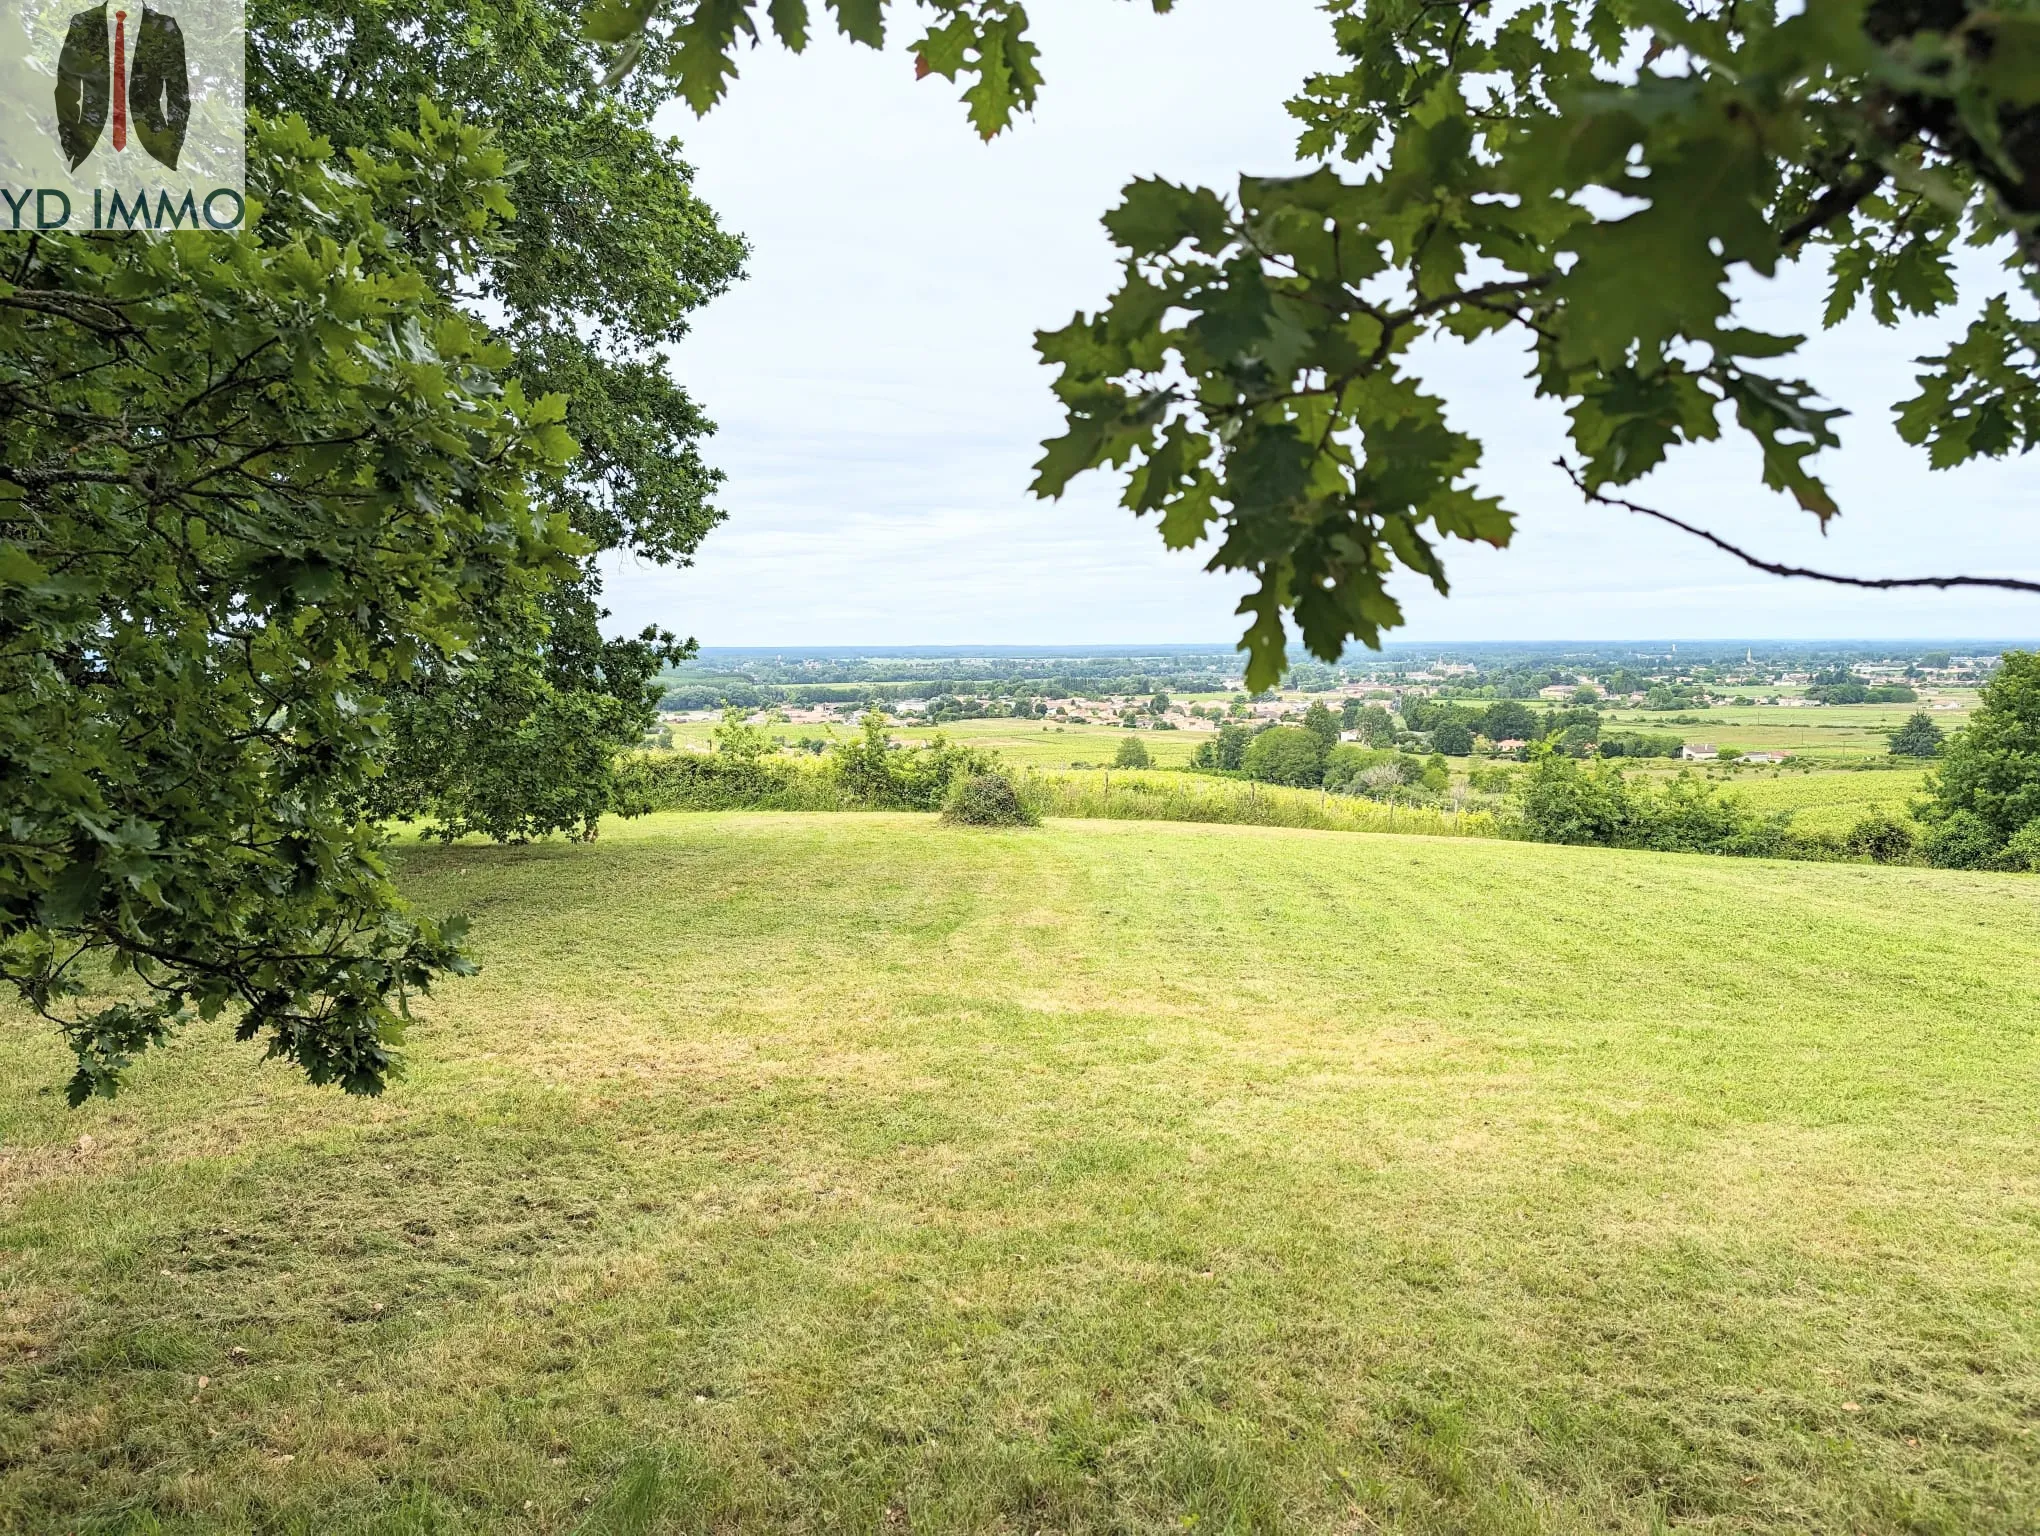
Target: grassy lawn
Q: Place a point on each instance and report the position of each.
(854, 1173)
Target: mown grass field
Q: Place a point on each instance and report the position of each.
(854, 1173)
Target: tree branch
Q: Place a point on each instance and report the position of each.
(1880, 583)
(1833, 203)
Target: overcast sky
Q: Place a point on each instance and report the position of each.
(880, 404)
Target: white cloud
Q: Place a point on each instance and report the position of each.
(880, 403)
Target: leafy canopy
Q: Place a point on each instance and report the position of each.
(591, 285)
(246, 484)
(1986, 792)
(290, 539)
(1587, 175)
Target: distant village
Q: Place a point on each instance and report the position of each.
(1215, 700)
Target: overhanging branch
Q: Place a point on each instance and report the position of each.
(1880, 583)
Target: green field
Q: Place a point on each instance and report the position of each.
(1022, 743)
(1027, 744)
(854, 1173)
(1839, 730)
(1831, 802)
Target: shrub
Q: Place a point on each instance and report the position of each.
(1495, 780)
(2023, 851)
(1190, 797)
(987, 800)
(1882, 839)
(879, 776)
(1132, 753)
(1564, 803)
(1962, 840)
(866, 775)
(1357, 770)
(700, 781)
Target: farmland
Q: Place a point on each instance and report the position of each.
(1834, 731)
(1021, 743)
(859, 1173)
(1833, 802)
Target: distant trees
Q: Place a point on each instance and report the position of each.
(1132, 753)
(1159, 704)
(738, 739)
(1355, 770)
(1226, 754)
(1580, 738)
(1319, 721)
(1640, 744)
(1667, 697)
(1453, 739)
(1509, 720)
(1288, 754)
(1918, 737)
(1857, 692)
(1375, 725)
(1839, 685)
(1984, 810)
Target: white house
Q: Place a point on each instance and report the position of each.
(1698, 751)
(1762, 757)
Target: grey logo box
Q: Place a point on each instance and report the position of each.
(122, 115)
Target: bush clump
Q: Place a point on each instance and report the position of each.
(987, 800)
(1882, 839)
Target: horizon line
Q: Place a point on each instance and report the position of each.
(1122, 647)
